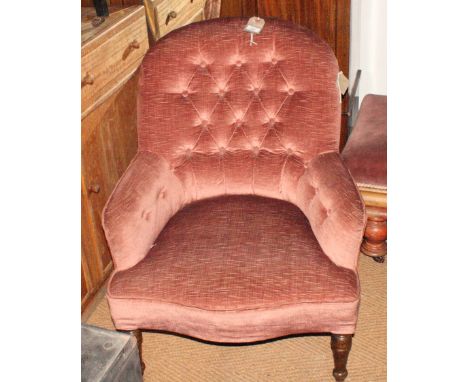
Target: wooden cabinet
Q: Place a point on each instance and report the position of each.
(110, 53)
(108, 129)
(108, 144)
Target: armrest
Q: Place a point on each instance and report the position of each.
(145, 198)
(331, 201)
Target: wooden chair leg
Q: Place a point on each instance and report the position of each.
(374, 243)
(341, 345)
(139, 337)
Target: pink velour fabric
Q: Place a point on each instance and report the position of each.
(147, 195)
(331, 201)
(258, 125)
(365, 153)
(239, 253)
(231, 118)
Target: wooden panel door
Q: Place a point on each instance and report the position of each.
(343, 30)
(108, 144)
(89, 253)
(235, 8)
(117, 124)
(99, 175)
(319, 16)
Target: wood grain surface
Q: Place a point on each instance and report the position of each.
(111, 54)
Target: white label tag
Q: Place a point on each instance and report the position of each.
(254, 25)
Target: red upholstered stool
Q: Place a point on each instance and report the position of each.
(365, 155)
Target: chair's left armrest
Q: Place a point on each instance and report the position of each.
(145, 198)
(331, 201)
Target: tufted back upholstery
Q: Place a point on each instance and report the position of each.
(231, 118)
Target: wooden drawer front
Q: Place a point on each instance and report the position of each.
(104, 67)
(200, 16)
(185, 12)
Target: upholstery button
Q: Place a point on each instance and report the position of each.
(289, 152)
(185, 94)
(238, 63)
(221, 93)
(255, 150)
(203, 64)
(291, 91)
(188, 153)
(274, 61)
(204, 124)
(222, 151)
(256, 91)
(271, 123)
(237, 124)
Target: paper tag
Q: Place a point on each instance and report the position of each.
(342, 82)
(254, 25)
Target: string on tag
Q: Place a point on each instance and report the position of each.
(252, 42)
(254, 25)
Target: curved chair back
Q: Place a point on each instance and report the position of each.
(231, 118)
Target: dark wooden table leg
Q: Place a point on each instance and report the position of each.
(374, 243)
(341, 345)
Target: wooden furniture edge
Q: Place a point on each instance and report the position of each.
(129, 16)
(132, 68)
(374, 243)
(373, 196)
(92, 299)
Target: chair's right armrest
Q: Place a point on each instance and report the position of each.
(145, 198)
(331, 201)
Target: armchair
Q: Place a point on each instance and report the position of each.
(237, 221)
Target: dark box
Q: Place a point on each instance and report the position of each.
(108, 355)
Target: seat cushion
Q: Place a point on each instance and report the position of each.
(223, 260)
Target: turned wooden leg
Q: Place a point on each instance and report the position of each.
(374, 243)
(341, 345)
(379, 259)
(139, 337)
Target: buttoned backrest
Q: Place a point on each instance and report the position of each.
(231, 118)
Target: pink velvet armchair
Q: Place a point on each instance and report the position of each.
(237, 220)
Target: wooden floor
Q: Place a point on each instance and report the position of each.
(295, 359)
